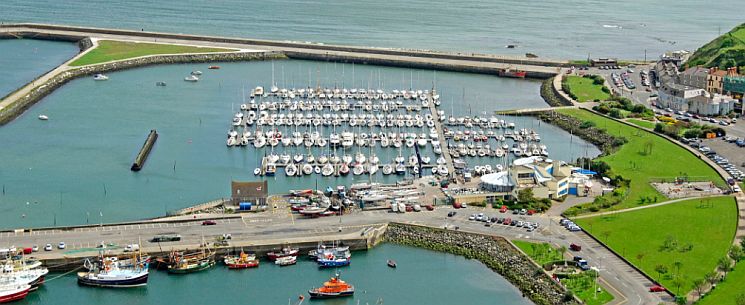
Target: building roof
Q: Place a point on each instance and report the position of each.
(696, 71)
(498, 179)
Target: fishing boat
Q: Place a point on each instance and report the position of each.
(509, 72)
(284, 252)
(241, 261)
(391, 263)
(334, 261)
(31, 277)
(109, 272)
(286, 261)
(332, 289)
(13, 292)
(213, 67)
(188, 263)
(191, 78)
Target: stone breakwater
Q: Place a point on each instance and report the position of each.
(495, 252)
(598, 137)
(41, 90)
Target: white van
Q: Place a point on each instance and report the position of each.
(132, 248)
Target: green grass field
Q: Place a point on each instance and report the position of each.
(666, 159)
(695, 232)
(585, 90)
(642, 123)
(583, 287)
(724, 51)
(727, 291)
(541, 253)
(109, 50)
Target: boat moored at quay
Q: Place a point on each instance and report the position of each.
(111, 272)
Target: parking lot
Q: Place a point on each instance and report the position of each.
(719, 150)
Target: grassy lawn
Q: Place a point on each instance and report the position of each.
(109, 50)
(727, 291)
(666, 159)
(584, 89)
(541, 253)
(583, 287)
(695, 232)
(642, 123)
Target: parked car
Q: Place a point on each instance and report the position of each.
(209, 223)
(575, 247)
(451, 214)
(472, 217)
(61, 245)
(35, 248)
(48, 247)
(657, 288)
(132, 248)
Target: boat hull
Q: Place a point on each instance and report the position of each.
(114, 283)
(243, 265)
(15, 295)
(332, 264)
(197, 268)
(328, 295)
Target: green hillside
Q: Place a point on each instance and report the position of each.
(725, 51)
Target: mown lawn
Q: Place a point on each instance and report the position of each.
(109, 50)
(585, 89)
(727, 291)
(644, 157)
(696, 233)
(583, 287)
(642, 123)
(540, 252)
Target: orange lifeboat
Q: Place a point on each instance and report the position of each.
(333, 288)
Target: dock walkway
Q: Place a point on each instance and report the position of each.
(441, 136)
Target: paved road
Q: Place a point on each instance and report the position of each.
(286, 227)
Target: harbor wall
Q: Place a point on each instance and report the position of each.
(43, 30)
(12, 111)
(408, 63)
(495, 252)
(356, 242)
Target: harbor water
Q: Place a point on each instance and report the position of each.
(559, 29)
(74, 168)
(23, 60)
(412, 282)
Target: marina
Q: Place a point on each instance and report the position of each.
(296, 121)
(192, 155)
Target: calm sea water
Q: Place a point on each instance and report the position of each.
(23, 60)
(552, 28)
(411, 283)
(75, 167)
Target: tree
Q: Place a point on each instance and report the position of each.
(742, 243)
(615, 113)
(640, 257)
(677, 282)
(735, 253)
(525, 195)
(724, 265)
(562, 250)
(677, 265)
(740, 299)
(699, 285)
(606, 234)
(659, 127)
(660, 269)
(711, 278)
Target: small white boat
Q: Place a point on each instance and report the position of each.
(43, 117)
(191, 78)
(100, 77)
(196, 72)
(387, 169)
(257, 171)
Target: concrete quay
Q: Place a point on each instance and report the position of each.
(461, 62)
(265, 231)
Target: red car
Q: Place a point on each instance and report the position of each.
(209, 223)
(575, 247)
(457, 205)
(503, 209)
(657, 288)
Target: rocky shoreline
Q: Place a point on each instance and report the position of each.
(495, 252)
(12, 111)
(598, 137)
